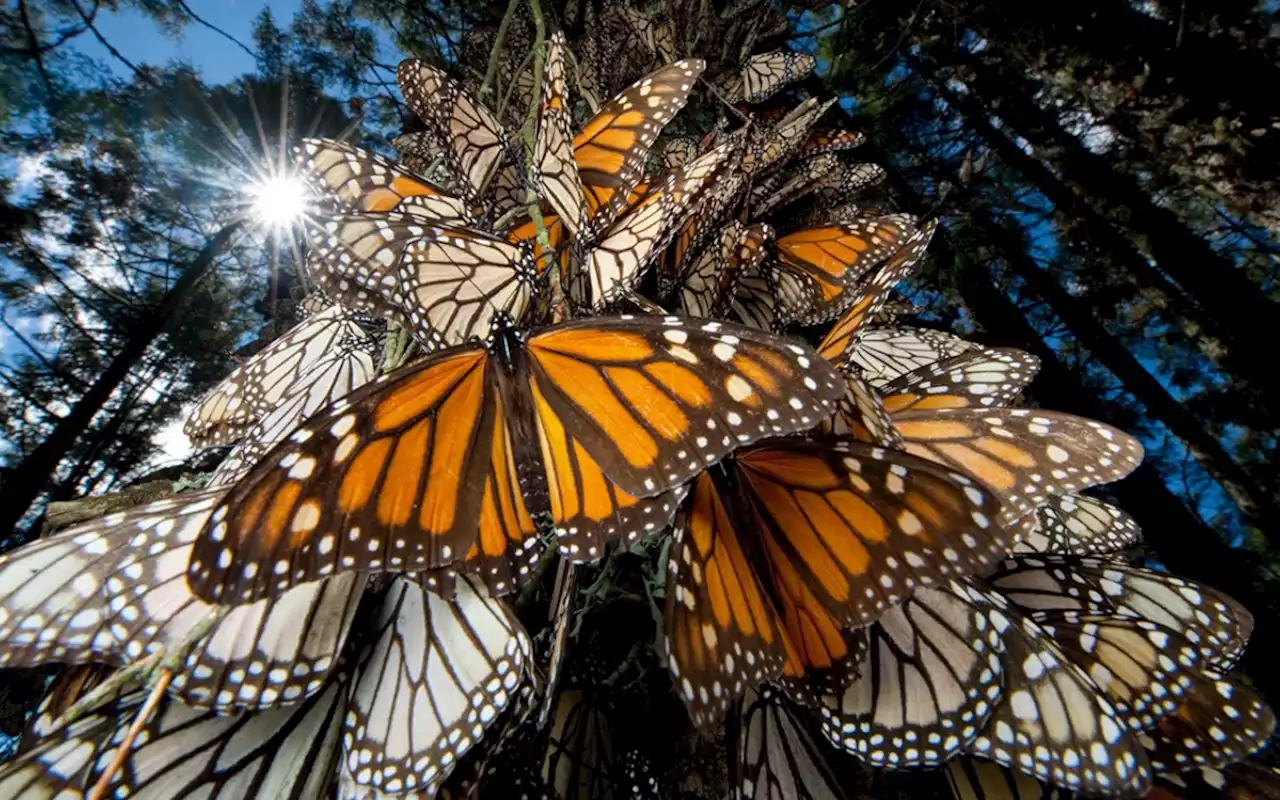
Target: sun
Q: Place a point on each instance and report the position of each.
(279, 201)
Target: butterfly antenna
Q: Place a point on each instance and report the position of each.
(99, 789)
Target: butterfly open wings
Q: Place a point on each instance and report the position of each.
(401, 474)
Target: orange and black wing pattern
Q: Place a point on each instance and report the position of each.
(985, 378)
(587, 509)
(1025, 456)
(819, 270)
(362, 181)
(389, 477)
(654, 400)
(842, 254)
(839, 342)
(863, 527)
(723, 633)
(610, 150)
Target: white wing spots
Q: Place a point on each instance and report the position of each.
(683, 354)
(738, 388)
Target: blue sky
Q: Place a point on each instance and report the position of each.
(141, 41)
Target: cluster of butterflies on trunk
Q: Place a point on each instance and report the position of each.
(865, 547)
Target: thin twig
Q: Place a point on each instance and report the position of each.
(201, 21)
(35, 48)
(720, 96)
(491, 71)
(529, 134)
(99, 789)
(140, 73)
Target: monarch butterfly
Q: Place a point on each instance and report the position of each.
(232, 408)
(579, 759)
(360, 181)
(861, 414)
(774, 146)
(831, 141)
(1076, 524)
(765, 74)
(425, 467)
(418, 151)
(1024, 456)
(883, 354)
(820, 215)
(1053, 721)
(1244, 781)
(838, 184)
(113, 590)
(696, 232)
(774, 755)
(928, 680)
(446, 285)
(892, 312)
(610, 150)
(795, 541)
(975, 779)
(816, 267)
(397, 734)
(590, 185)
(1051, 583)
(775, 193)
(754, 302)
(618, 260)
(475, 141)
(679, 150)
(843, 339)
(333, 375)
(981, 378)
(711, 284)
(553, 151)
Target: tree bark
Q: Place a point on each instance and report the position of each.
(31, 476)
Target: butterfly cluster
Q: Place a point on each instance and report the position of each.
(866, 542)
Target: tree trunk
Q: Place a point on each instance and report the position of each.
(1246, 359)
(31, 476)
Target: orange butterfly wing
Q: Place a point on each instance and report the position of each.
(723, 633)
(1024, 456)
(842, 338)
(654, 400)
(862, 527)
(386, 478)
(586, 507)
(610, 150)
